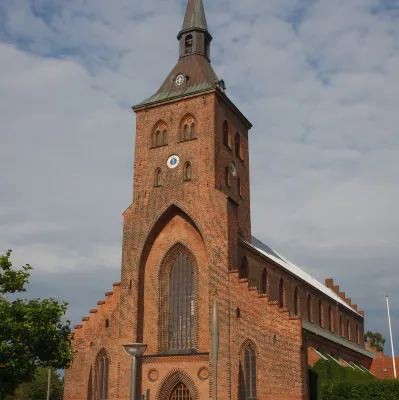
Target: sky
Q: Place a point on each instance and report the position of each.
(317, 78)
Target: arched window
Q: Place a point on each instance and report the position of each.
(158, 177)
(185, 132)
(263, 285)
(192, 131)
(226, 139)
(310, 308)
(164, 137)
(181, 303)
(188, 44)
(296, 302)
(341, 326)
(244, 272)
(187, 171)
(180, 392)
(102, 372)
(247, 373)
(158, 138)
(321, 314)
(330, 319)
(238, 145)
(281, 293)
(348, 329)
(227, 176)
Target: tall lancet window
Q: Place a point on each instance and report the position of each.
(181, 303)
(102, 372)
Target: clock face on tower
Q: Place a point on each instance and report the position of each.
(173, 161)
(179, 80)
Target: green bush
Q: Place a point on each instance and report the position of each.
(376, 390)
(335, 382)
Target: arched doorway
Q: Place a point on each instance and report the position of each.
(180, 392)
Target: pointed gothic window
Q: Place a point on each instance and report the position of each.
(263, 286)
(180, 392)
(247, 373)
(164, 137)
(321, 314)
(192, 131)
(188, 43)
(226, 140)
(310, 308)
(158, 138)
(181, 303)
(341, 326)
(158, 177)
(281, 294)
(348, 329)
(187, 171)
(102, 370)
(238, 145)
(330, 319)
(185, 133)
(244, 270)
(296, 302)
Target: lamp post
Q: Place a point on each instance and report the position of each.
(134, 350)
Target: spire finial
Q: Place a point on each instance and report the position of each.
(195, 16)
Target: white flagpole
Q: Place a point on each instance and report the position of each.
(390, 332)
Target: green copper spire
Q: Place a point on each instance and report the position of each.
(195, 16)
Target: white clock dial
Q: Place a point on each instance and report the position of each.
(232, 169)
(173, 161)
(179, 80)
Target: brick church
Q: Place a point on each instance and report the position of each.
(222, 315)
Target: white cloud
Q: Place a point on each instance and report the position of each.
(317, 78)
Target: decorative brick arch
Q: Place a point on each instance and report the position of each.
(170, 210)
(171, 380)
(163, 302)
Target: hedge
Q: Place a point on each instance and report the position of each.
(331, 381)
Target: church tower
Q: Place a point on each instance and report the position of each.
(191, 202)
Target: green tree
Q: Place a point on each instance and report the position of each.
(32, 332)
(375, 339)
(37, 388)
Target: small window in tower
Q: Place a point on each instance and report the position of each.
(189, 44)
(158, 177)
(157, 138)
(164, 137)
(227, 176)
(239, 187)
(187, 171)
(238, 145)
(226, 139)
(107, 323)
(192, 131)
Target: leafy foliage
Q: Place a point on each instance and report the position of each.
(37, 388)
(32, 332)
(335, 382)
(375, 339)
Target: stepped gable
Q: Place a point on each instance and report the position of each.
(104, 307)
